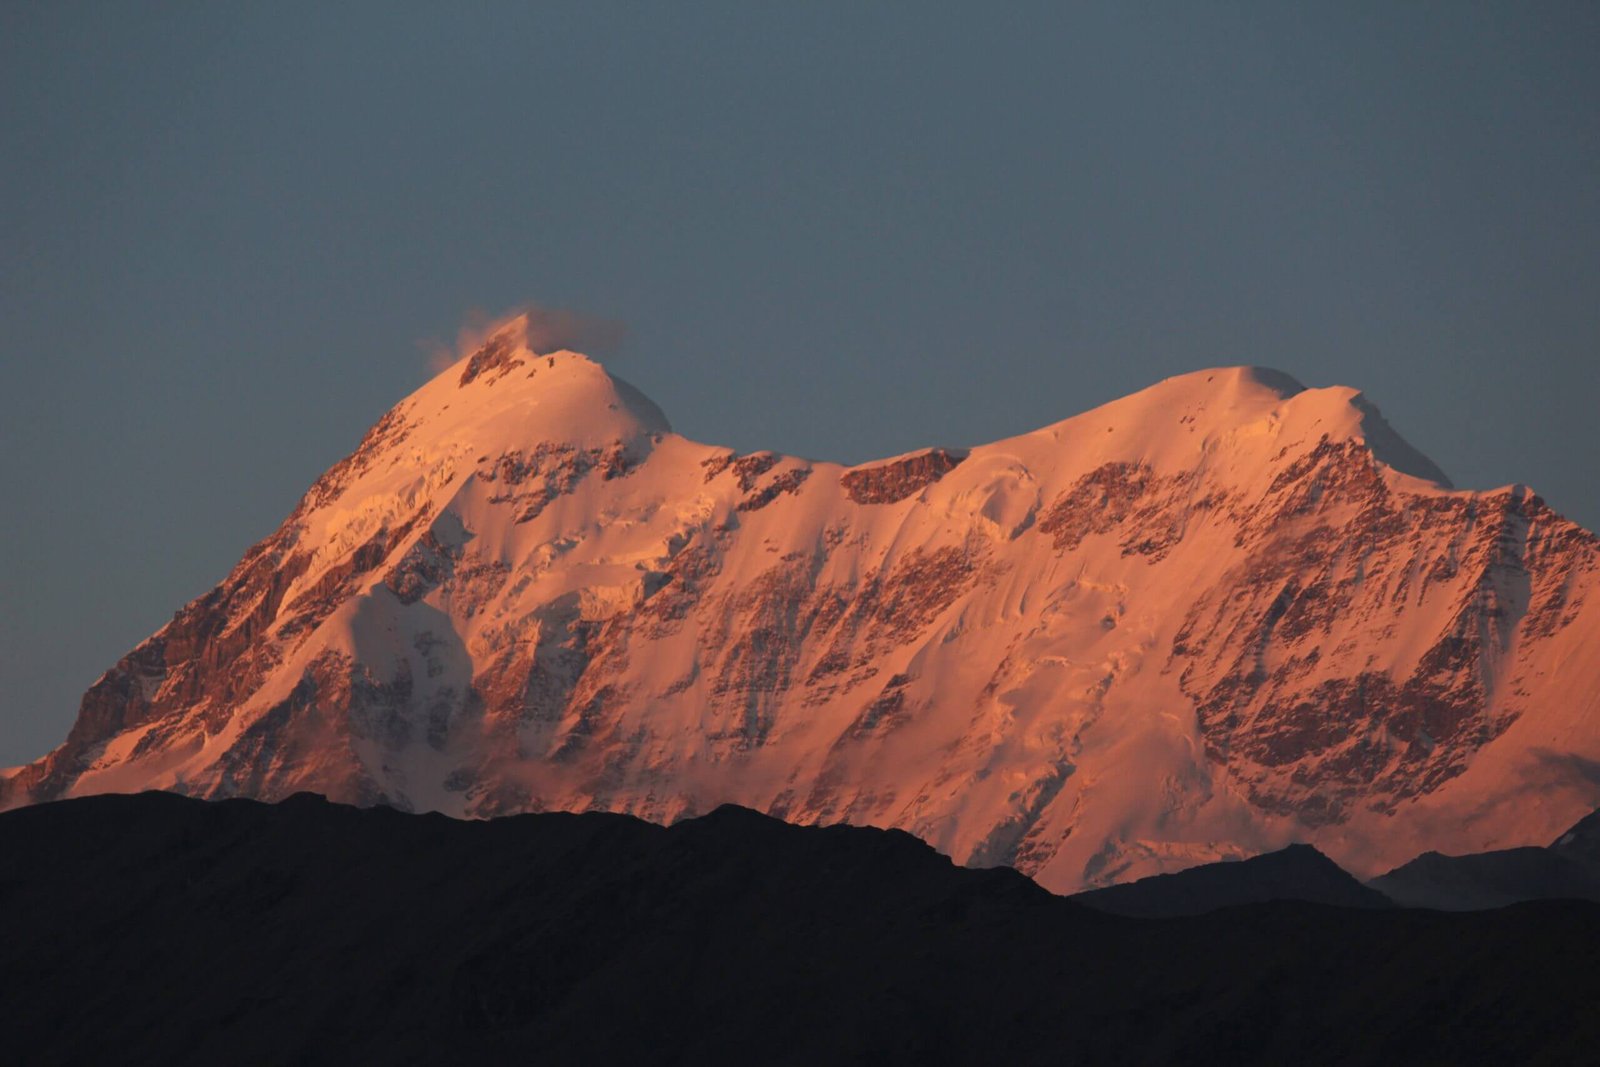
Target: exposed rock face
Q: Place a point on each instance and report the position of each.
(892, 482)
(1309, 571)
(1200, 622)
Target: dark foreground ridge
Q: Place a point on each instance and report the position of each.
(1568, 869)
(1489, 879)
(1298, 872)
(157, 929)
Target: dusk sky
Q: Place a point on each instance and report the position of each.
(233, 238)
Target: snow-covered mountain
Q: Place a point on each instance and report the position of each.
(1206, 620)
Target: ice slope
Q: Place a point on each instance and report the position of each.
(1206, 620)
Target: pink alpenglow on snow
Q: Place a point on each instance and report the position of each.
(1209, 619)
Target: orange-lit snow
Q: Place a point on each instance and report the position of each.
(1007, 662)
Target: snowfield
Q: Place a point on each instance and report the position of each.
(1207, 620)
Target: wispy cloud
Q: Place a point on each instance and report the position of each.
(543, 330)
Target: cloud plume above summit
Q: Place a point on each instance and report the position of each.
(545, 329)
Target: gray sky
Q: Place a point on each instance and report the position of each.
(229, 237)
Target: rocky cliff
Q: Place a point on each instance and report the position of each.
(1206, 620)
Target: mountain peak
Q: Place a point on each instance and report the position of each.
(1198, 621)
(1259, 399)
(1296, 872)
(510, 351)
(1243, 378)
(1245, 424)
(557, 396)
(505, 349)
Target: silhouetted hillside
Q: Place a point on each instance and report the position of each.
(1298, 872)
(1569, 869)
(156, 929)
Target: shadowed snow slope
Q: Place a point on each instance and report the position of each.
(1209, 619)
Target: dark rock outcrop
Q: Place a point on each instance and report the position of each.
(889, 483)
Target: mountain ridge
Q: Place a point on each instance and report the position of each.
(156, 928)
(1296, 872)
(1201, 621)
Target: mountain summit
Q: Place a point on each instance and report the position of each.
(1211, 618)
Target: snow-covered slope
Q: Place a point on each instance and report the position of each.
(1206, 620)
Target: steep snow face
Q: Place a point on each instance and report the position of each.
(1206, 620)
